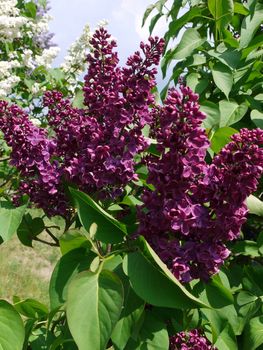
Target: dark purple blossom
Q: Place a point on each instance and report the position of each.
(99, 143)
(192, 340)
(32, 154)
(95, 147)
(195, 207)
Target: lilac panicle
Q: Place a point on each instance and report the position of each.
(93, 148)
(32, 153)
(191, 340)
(195, 207)
(98, 143)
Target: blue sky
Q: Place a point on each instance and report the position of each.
(124, 17)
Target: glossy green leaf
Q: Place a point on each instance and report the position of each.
(255, 205)
(153, 335)
(196, 83)
(73, 239)
(221, 137)
(257, 118)
(153, 282)
(250, 25)
(240, 8)
(231, 112)
(30, 308)
(214, 293)
(246, 248)
(253, 335)
(176, 25)
(218, 295)
(132, 310)
(147, 13)
(245, 297)
(212, 113)
(222, 11)
(229, 57)
(226, 339)
(31, 9)
(66, 269)
(109, 230)
(153, 22)
(93, 308)
(223, 77)
(10, 219)
(12, 330)
(29, 228)
(78, 100)
(190, 41)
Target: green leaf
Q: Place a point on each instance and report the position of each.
(226, 339)
(257, 118)
(252, 280)
(10, 219)
(255, 205)
(153, 282)
(212, 112)
(66, 269)
(221, 137)
(222, 11)
(176, 25)
(147, 13)
(190, 41)
(153, 335)
(223, 321)
(93, 308)
(56, 73)
(194, 81)
(229, 57)
(31, 9)
(78, 100)
(246, 248)
(130, 315)
(253, 334)
(245, 297)
(12, 330)
(231, 112)
(217, 294)
(30, 308)
(109, 229)
(250, 25)
(241, 9)
(73, 239)
(29, 229)
(154, 20)
(223, 77)
(260, 243)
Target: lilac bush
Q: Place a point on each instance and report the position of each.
(195, 207)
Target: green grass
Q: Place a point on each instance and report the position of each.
(25, 272)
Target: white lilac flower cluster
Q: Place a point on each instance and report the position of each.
(13, 27)
(75, 63)
(11, 22)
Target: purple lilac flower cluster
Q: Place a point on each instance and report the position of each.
(98, 143)
(43, 40)
(192, 340)
(94, 148)
(195, 207)
(32, 154)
